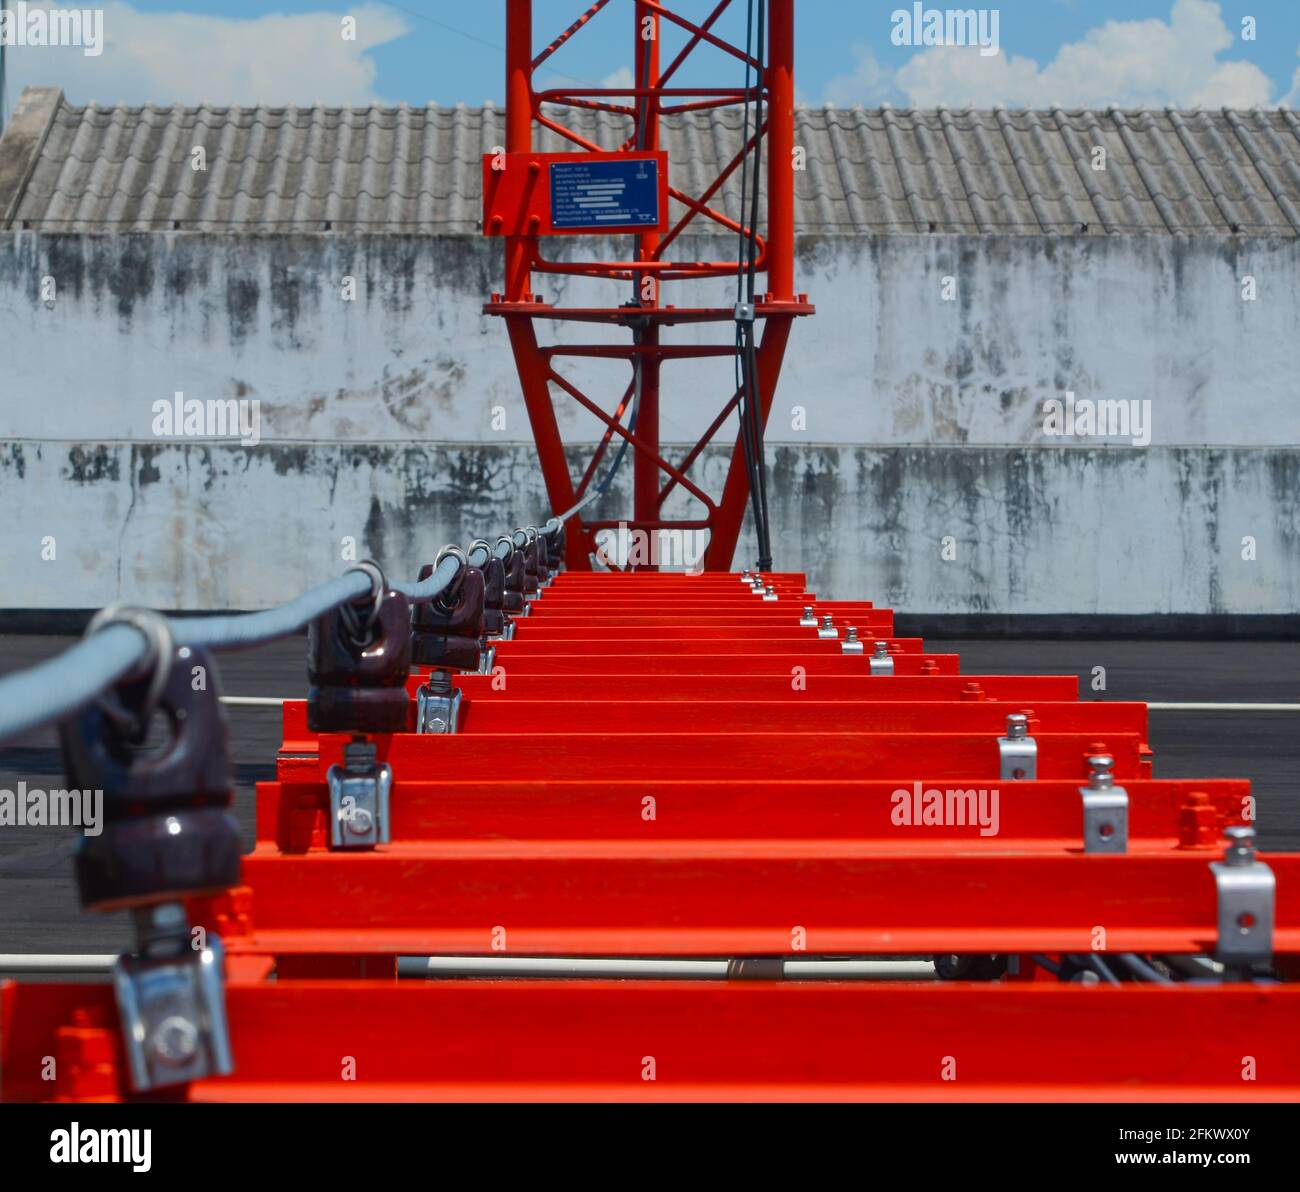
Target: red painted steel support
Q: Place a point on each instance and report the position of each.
(655, 897)
(751, 1040)
(670, 766)
(1043, 815)
(656, 91)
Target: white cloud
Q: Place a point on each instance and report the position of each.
(870, 83)
(182, 58)
(1292, 97)
(1142, 63)
(622, 78)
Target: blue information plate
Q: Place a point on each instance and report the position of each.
(605, 194)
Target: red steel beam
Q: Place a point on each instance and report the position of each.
(543, 630)
(650, 896)
(631, 647)
(809, 715)
(737, 666)
(775, 687)
(1031, 816)
(688, 1041)
(637, 756)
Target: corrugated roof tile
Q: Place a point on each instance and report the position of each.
(867, 170)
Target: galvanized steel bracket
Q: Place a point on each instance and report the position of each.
(1017, 751)
(172, 1004)
(1105, 809)
(437, 704)
(359, 793)
(1247, 895)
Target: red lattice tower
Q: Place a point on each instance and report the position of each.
(529, 195)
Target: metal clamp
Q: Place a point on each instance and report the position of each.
(156, 664)
(359, 797)
(437, 704)
(882, 661)
(487, 657)
(530, 540)
(1105, 809)
(1018, 751)
(769, 593)
(828, 631)
(850, 644)
(809, 619)
(447, 598)
(172, 1004)
(746, 576)
(1247, 893)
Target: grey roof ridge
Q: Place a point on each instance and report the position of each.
(32, 119)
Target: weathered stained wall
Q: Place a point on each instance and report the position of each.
(1033, 531)
(382, 418)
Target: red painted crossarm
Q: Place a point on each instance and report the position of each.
(677, 1040)
(1043, 815)
(646, 896)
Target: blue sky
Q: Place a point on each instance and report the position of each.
(1096, 52)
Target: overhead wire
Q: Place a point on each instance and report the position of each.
(58, 688)
(749, 400)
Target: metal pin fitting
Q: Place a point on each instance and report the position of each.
(437, 704)
(808, 620)
(1105, 808)
(172, 1004)
(769, 593)
(746, 577)
(1247, 898)
(359, 792)
(828, 629)
(1018, 751)
(1240, 850)
(1101, 771)
(882, 661)
(850, 644)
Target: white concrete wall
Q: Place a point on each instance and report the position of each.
(1034, 530)
(923, 417)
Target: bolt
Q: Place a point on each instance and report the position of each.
(360, 821)
(807, 611)
(175, 1040)
(1100, 776)
(1017, 726)
(852, 633)
(882, 649)
(1197, 822)
(1241, 846)
(827, 623)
